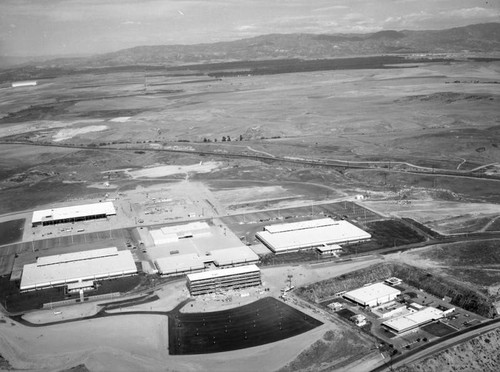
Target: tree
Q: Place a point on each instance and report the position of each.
(241, 137)
(223, 138)
(228, 139)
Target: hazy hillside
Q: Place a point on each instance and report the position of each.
(474, 38)
(482, 38)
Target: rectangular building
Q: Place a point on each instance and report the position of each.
(223, 279)
(179, 264)
(73, 214)
(373, 295)
(172, 234)
(60, 270)
(233, 256)
(414, 320)
(310, 234)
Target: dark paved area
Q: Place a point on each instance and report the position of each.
(261, 322)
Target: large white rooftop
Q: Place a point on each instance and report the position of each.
(413, 320)
(76, 256)
(233, 256)
(77, 211)
(282, 227)
(213, 274)
(327, 232)
(97, 264)
(192, 228)
(179, 263)
(371, 293)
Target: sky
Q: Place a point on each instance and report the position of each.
(72, 27)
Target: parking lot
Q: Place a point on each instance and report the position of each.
(457, 320)
(247, 225)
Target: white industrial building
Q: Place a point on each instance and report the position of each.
(413, 320)
(322, 232)
(73, 214)
(79, 267)
(223, 279)
(179, 264)
(233, 256)
(172, 234)
(373, 294)
(25, 83)
(329, 249)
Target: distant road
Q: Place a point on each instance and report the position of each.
(387, 166)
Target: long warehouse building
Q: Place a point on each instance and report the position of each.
(414, 320)
(373, 294)
(63, 269)
(73, 214)
(290, 237)
(223, 279)
(178, 264)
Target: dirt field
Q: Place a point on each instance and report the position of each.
(475, 263)
(446, 217)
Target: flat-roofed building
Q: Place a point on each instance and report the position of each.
(329, 249)
(179, 264)
(234, 256)
(24, 83)
(172, 234)
(373, 294)
(63, 269)
(295, 236)
(73, 214)
(223, 279)
(393, 281)
(414, 320)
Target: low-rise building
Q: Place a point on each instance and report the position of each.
(373, 294)
(223, 279)
(413, 320)
(72, 214)
(78, 267)
(295, 236)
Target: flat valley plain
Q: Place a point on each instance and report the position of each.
(436, 114)
(80, 136)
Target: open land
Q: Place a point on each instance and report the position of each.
(242, 152)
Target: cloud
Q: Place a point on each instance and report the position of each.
(442, 19)
(471, 13)
(334, 7)
(131, 23)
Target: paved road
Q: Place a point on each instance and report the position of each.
(437, 346)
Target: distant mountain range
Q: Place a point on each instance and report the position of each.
(474, 38)
(483, 38)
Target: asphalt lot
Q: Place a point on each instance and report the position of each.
(261, 322)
